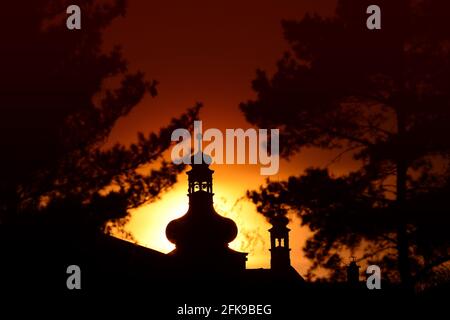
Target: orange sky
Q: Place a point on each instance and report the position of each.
(208, 51)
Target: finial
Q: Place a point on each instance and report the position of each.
(199, 139)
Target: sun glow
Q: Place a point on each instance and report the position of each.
(148, 223)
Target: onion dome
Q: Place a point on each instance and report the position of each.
(201, 228)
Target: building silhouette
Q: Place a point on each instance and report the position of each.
(202, 267)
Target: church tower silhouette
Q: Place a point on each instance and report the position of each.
(202, 236)
(279, 244)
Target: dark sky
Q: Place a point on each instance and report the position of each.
(203, 51)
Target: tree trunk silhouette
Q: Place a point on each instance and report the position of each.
(404, 265)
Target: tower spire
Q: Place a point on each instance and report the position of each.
(199, 142)
(202, 235)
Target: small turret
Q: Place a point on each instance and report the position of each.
(353, 273)
(279, 243)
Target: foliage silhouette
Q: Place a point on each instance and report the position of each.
(382, 96)
(58, 105)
